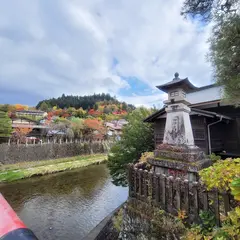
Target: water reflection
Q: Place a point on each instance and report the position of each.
(65, 205)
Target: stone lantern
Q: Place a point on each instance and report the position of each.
(178, 129)
(178, 154)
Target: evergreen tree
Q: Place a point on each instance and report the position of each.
(44, 107)
(95, 107)
(5, 125)
(85, 102)
(124, 106)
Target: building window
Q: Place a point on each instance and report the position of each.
(174, 94)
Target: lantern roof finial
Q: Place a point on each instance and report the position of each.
(176, 75)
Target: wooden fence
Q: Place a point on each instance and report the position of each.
(28, 141)
(174, 195)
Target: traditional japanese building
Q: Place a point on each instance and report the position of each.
(215, 124)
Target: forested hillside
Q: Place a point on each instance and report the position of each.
(84, 102)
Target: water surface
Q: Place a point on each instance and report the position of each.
(65, 205)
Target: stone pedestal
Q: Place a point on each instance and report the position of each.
(179, 161)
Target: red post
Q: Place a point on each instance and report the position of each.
(11, 227)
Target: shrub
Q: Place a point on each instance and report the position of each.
(145, 156)
(221, 174)
(214, 157)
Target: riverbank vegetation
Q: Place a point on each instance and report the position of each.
(22, 170)
(137, 138)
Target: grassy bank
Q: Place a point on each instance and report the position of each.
(22, 170)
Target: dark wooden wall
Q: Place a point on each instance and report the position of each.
(159, 127)
(200, 132)
(217, 132)
(231, 136)
(225, 136)
(229, 131)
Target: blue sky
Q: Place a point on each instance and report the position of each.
(81, 47)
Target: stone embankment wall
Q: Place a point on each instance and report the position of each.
(142, 221)
(105, 230)
(36, 152)
(138, 220)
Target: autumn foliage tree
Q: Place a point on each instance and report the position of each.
(94, 126)
(20, 107)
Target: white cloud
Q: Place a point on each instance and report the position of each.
(68, 46)
(147, 101)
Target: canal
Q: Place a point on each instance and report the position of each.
(65, 205)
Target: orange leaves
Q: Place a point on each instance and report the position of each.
(94, 124)
(20, 107)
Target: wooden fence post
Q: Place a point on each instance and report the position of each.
(170, 194)
(195, 200)
(205, 199)
(216, 207)
(163, 191)
(135, 182)
(130, 182)
(145, 185)
(226, 202)
(186, 196)
(178, 193)
(140, 174)
(157, 188)
(151, 188)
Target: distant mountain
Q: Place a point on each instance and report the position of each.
(85, 102)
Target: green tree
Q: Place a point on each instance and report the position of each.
(44, 107)
(206, 10)
(224, 42)
(71, 111)
(124, 106)
(95, 107)
(137, 138)
(225, 56)
(78, 127)
(5, 125)
(106, 110)
(4, 107)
